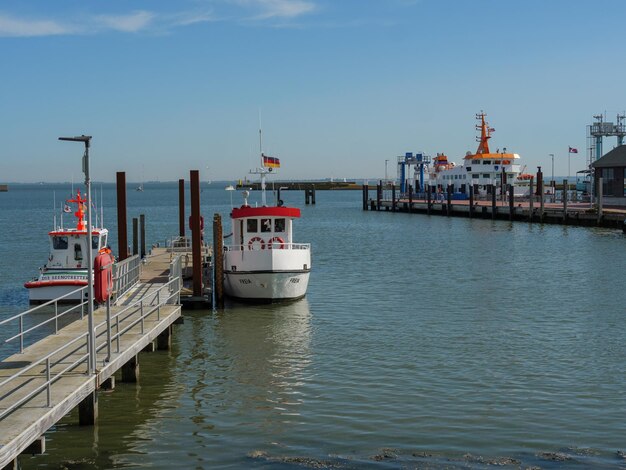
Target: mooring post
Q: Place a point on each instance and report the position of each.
(493, 201)
(379, 194)
(449, 200)
(428, 199)
(135, 236)
(600, 195)
(164, 340)
(181, 207)
(313, 195)
(366, 191)
(471, 201)
(196, 235)
(88, 410)
(531, 198)
(410, 199)
(511, 202)
(122, 234)
(142, 235)
(565, 191)
(393, 196)
(130, 370)
(218, 262)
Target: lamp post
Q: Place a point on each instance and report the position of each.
(91, 337)
(552, 155)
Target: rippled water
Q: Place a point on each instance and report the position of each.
(425, 342)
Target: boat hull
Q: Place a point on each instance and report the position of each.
(40, 292)
(264, 286)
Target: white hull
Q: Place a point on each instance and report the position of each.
(38, 295)
(266, 286)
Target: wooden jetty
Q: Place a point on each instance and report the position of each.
(44, 381)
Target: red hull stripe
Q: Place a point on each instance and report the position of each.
(247, 211)
(54, 283)
(84, 232)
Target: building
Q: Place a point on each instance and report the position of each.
(612, 169)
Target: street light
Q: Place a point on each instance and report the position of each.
(91, 346)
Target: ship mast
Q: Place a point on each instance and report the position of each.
(485, 134)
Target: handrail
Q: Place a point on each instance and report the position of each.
(173, 290)
(126, 275)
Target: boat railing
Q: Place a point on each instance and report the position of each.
(107, 333)
(284, 246)
(126, 275)
(178, 243)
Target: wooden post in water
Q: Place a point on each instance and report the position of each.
(531, 199)
(471, 201)
(449, 201)
(393, 197)
(410, 199)
(196, 235)
(493, 201)
(379, 194)
(365, 194)
(181, 207)
(565, 185)
(164, 340)
(313, 195)
(135, 236)
(122, 234)
(218, 262)
(511, 202)
(130, 370)
(540, 192)
(142, 234)
(600, 195)
(428, 199)
(88, 410)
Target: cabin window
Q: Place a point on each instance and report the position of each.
(279, 225)
(486, 175)
(78, 252)
(510, 176)
(266, 225)
(487, 162)
(94, 242)
(475, 176)
(252, 226)
(475, 162)
(469, 168)
(59, 243)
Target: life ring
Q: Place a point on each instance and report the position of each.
(256, 239)
(506, 162)
(278, 241)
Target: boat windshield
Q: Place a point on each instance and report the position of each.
(94, 241)
(59, 243)
(279, 225)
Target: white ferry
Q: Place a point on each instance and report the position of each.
(264, 264)
(481, 169)
(66, 269)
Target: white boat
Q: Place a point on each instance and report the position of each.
(264, 264)
(482, 169)
(66, 269)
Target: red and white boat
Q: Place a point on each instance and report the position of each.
(264, 264)
(66, 269)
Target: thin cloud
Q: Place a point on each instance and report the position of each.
(15, 27)
(279, 8)
(130, 23)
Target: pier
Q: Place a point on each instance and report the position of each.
(45, 380)
(501, 207)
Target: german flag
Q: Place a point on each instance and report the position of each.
(270, 162)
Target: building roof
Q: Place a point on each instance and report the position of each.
(614, 158)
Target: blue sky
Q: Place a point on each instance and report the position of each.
(341, 85)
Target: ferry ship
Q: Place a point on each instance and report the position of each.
(66, 269)
(264, 264)
(480, 169)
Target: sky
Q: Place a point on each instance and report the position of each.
(338, 86)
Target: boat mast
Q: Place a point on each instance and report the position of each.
(262, 171)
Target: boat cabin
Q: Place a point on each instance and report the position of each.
(68, 248)
(260, 228)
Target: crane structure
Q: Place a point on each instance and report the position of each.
(420, 163)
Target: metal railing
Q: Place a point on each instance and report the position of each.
(122, 322)
(126, 275)
(285, 246)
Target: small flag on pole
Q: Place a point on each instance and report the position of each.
(271, 162)
(573, 150)
(67, 208)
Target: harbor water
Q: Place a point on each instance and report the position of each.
(423, 342)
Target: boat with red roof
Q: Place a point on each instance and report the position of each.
(263, 263)
(66, 269)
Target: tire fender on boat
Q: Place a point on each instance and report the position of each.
(253, 240)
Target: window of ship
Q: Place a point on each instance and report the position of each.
(94, 242)
(475, 162)
(252, 225)
(59, 243)
(510, 176)
(279, 225)
(487, 162)
(475, 176)
(78, 252)
(486, 175)
(266, 225)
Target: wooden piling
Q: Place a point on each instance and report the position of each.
(130, 370)
(365, 196)
(181, 207)
(493, 201)
(164, 339)
(313, 195)
(564, 195)
(471, 201)
(410, 199)
(449, 201)
(429, 198)
(379, 194)
(196, 236)
(393, 197)
(135, 236)
(600, 196)
(511, 202)
(531, 199)
(218, 262)
(142, 235)
(122, 234)
(88, 410)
